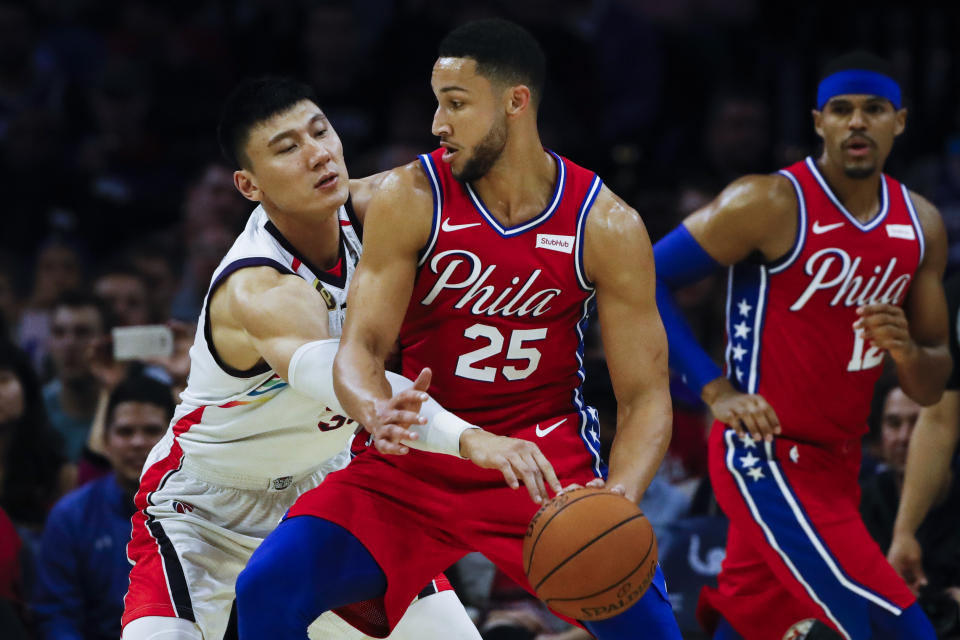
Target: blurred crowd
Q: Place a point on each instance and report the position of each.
(119, 207)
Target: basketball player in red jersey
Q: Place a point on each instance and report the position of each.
(833, 266)
(497, 251)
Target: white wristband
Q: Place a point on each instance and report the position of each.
(442, 432)
(311, 371)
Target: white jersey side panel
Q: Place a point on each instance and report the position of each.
(252, 424)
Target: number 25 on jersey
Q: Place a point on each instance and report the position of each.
(515, 351)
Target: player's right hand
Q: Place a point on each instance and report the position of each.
(396, 415)
(906, 556)
(518, 460)
(743, 412)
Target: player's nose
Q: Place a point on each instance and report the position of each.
(440, 127)
(857, 121)
(319, 152)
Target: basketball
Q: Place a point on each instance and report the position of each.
(589, 554)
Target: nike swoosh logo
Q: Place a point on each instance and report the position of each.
(446, 226)
(818, 228)
(542, 432)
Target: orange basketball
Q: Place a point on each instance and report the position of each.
(589, 554)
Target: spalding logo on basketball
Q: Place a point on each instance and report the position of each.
(589, 554)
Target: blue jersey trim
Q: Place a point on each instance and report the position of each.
(431, 171)
(589, 420)
(877, 219)
(747, 287)
(585, 208)
(779, 265)
(537, 220)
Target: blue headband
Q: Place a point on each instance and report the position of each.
(853, 81)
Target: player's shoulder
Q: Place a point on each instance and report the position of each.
(927, 212)
(406, 185)
(610, 214)
(242, 289)
(772, 191)
(934, 231)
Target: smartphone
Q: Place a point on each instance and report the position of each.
(142, 341)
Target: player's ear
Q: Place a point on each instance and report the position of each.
(246, 184)
(518, 100)
(901, 121)
(817, 121)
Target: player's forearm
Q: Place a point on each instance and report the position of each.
(928, 461)
(359, 381)
(644, 428)
(923, 372)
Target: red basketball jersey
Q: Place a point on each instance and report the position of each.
(789, 324)
(498, 313)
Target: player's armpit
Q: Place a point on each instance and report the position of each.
(756, 213)
(260, 314)
(618, 258)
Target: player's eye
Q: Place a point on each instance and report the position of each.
(320, 133)
(288, 149)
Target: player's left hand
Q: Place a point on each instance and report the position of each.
(520, 461)
(597, 483)
(885, 325)
(396, 415)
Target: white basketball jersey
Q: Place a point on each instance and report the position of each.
(252, 424)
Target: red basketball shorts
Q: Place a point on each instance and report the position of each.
(797, 547)
(418, 514)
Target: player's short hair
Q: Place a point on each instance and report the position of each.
(859, 59)
(138, 387)
(251, 102)
(503, 51)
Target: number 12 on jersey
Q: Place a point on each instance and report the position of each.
(861, 361)
(515, 351)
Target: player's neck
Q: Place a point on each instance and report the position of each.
(317, 240)
(519, 187)
(860, 196)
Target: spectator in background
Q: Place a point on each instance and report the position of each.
(930, 480)
(939, 535)
(212, 201)
(737, 138)
(158, 266)
(58, 269)
(893, 417)
(33, 469)
(83, 564)
(123, 290)
(211, 219)
(78, 322)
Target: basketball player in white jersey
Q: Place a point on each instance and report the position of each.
(258, 423)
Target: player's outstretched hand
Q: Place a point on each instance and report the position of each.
(518, 460)
(744, 412)
(906, 557)
(885, 325)
(396, 415)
